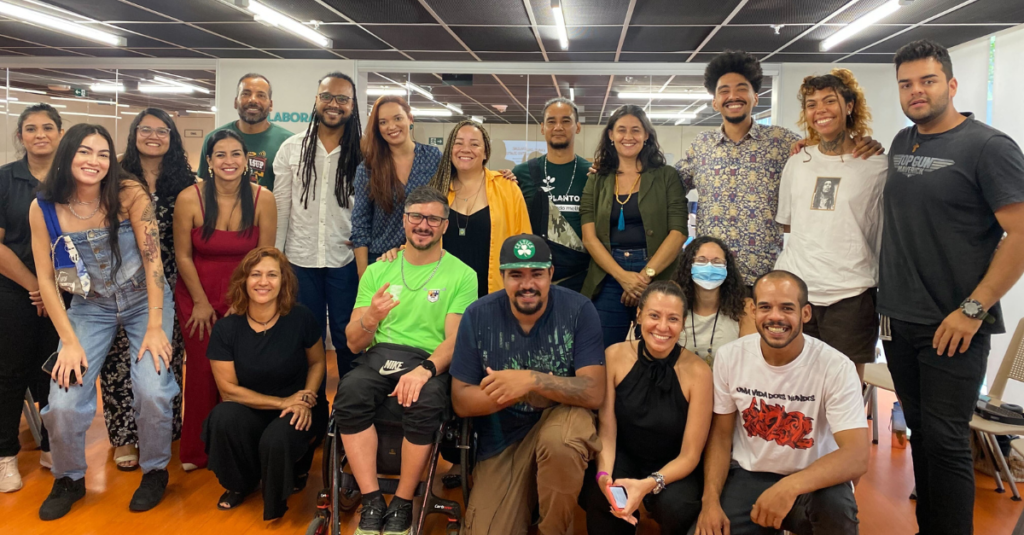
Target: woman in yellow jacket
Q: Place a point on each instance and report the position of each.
(485, 207)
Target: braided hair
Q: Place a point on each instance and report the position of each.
(442, 180)
(351, 154)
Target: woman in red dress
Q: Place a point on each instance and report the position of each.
(216, 223)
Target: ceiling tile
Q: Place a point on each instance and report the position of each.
(496, 12)
(868, 58)
(352, 37)
(812, 41)
(664, 39)
(858, 10)
(27, 32)
(441, 56)
(257, 35)
(985, 12)
(786, 11)
(580, 56)
(582, 38)
(752, 38)
(415, 37)
(654, 57)
(948, 36)
(805, 58)
(386, 12)
(670, 12)
(513, 56)
(582, 12)
(169, 52)
(107, 10)
(195, 10)
(512, 39)
(311, 53)
(303, 10)
(372, 54)
(181, 34)
(237, 53)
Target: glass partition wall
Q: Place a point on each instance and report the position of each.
(111, 98)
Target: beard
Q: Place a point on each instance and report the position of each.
(736, 120)
(528, 310)
(934, 111)
(559, 146)
(258, 118)
(426, 246)
(341, 120)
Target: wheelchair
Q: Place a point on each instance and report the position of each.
(341, 493)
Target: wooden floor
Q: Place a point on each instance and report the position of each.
(189, 506)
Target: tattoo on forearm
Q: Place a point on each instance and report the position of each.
(536, 401)
(151, 243)
(149, 212)
(158, 277)
(570, 388)
(834, 146)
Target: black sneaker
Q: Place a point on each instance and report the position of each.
(150, 491)
(371, 517)
(64, 494)
(398, 519)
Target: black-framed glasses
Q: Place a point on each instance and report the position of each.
(148, 131)
(326, 98)
(432, 220)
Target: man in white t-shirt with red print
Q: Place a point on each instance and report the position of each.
(789, 432)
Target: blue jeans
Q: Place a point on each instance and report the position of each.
(616, 317)
(332, 290)
(70, 413)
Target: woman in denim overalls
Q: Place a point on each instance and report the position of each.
(98, 225)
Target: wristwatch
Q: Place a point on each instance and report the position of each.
(428, 365)
(973, 309)
(659, 482)
(649, 271)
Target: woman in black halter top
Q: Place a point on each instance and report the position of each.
(654, 422)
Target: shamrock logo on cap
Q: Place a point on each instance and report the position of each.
(525, 249)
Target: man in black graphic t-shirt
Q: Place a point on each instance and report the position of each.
(552, 186)
(955, 185)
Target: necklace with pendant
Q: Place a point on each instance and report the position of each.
(549, 189)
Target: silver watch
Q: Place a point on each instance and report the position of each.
(974, 310)
(659, 482)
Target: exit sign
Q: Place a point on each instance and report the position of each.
(436, 141)
(80, 93)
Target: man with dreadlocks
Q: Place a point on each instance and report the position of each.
(314, 226)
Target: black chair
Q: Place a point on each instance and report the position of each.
(342, 493)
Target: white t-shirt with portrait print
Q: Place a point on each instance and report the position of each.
(786, 415)
(834, 206)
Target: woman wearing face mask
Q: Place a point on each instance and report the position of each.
(393, 165)
(27, 336)
(653, 424)
(96, 236)
(155, 154)
(485, 207)
(216, 224)
(830, 203)
(716, 298)
(633, 215)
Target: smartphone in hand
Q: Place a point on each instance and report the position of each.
(52, 361)
(619, 495)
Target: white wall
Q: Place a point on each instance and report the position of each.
(880, 91)
(970, 67)
(294, 83)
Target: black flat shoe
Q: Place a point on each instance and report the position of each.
(231, 498)
(150, 491)
(300, 482)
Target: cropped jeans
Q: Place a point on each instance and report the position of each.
(114, 300)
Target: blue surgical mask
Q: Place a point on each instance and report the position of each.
(708, 276)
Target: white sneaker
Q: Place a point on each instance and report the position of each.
(10, 478)
(46, 460)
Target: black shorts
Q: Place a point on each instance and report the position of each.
(850, 325)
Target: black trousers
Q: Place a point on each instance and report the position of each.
(938, 394)
(362, 391)
(26, 341)
(246, 446)
(675, 508)
(828, 511)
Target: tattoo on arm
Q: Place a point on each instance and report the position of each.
(158, 277)
(151, 243)
(149, 213)
(569, 388)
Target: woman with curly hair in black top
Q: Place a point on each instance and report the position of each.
(716, 299)
(155, 154)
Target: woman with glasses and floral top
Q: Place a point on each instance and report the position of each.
(716, 299)
(155, 154)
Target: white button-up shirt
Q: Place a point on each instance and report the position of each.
(318, 236)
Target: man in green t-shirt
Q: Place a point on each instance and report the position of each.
(406, 317)
(552, 186)
(254, 104)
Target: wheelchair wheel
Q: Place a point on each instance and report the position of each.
(317, 527)
(452, 528)
(348, 499)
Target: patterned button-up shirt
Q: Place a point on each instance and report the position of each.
(738, 189)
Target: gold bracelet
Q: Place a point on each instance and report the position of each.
(368, 331)
(156, 308)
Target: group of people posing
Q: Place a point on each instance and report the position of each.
(601, 362)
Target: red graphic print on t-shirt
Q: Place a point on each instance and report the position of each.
(773, 423)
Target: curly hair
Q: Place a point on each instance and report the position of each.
(735, 61)
(238, 292)
(606, 159)
(442, 180)
(845, 86)
(175, 171)
(732, 293)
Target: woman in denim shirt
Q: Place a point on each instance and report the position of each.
(393, 166)
(100, 226)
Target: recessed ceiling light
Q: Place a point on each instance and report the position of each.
(179, 83)
(266, 15)
(563, 36)
(858, 25)
(66, 26)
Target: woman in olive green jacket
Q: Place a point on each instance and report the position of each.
(633, 213)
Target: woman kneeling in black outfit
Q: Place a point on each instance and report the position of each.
(269, 364)
(653, 424)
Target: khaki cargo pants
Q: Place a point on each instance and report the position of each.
(543, 470)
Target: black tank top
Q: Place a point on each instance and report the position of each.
(650, 410)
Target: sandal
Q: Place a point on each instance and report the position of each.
(122, 461)
(230, 499)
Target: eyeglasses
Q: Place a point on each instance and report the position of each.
(432, 220)
(147, 131)
(701, 261)
(326, 98)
